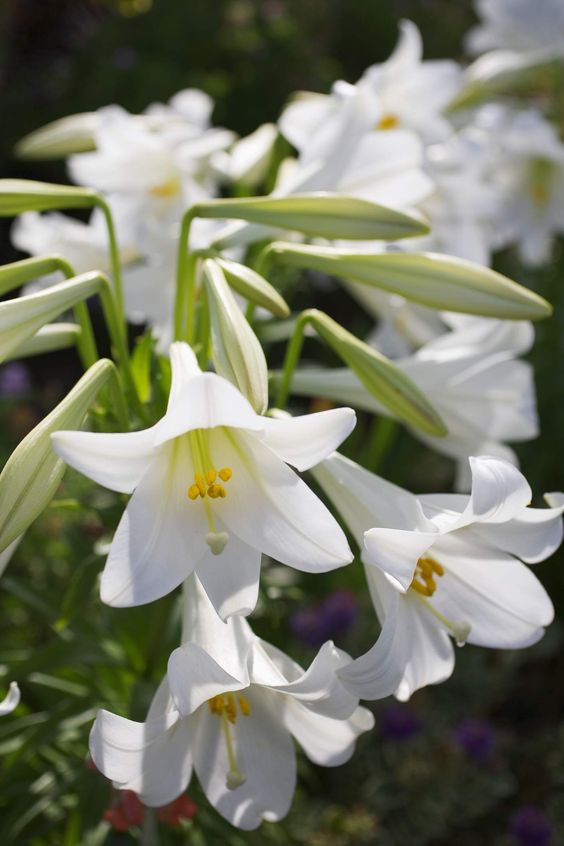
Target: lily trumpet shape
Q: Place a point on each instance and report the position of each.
(212, 490)
(228, 709)
(444, 565)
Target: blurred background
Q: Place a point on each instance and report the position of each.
(478, 760)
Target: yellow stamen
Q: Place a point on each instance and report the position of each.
(225, 706)
(166, 189)
(225, 474)
(201, 483)
(423, 581)
(211, 476)
(387, 122)
(193, 492)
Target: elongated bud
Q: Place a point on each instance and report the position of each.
(54, 336)
(254, 287)
(505, 73)
(21, 195)
(237, 354)
(33, 472)
(61, 138)
(22, 317)
(431, 279)
(379, 376)
(320, 215)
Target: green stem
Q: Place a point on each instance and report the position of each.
(150, 829)
(204, 331)
(114, 257)
(184, 305)
(293, 352)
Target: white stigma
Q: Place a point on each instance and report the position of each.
(235, 779)
(461, 633)
(217, 541)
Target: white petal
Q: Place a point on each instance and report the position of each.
(264, 753)
(365, 500)
(504, 602)
(378, 672)
(320, 688)
(431, 653)
(499, 491)
(231, 580)
(153, 758)
(116, 461)
(229, 644)
(305, 441)
(195, 677)
(184, 366)
(270, 508)
(161, 536)
(203, 402)
(11, 700)
(396, 552)
(533, 536)
(325, 741)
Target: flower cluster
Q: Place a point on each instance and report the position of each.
(383, 173)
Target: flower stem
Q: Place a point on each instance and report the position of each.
(185, 301)
(114, 255)
(293, 352)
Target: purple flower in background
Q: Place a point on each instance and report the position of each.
(399, 722)
(476, 737)
(330, 618)
(530, 827)
(14, 379)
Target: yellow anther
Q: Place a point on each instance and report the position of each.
(193, 491)
(211, 476)
(539, 193)
(225, 474)
(222, 491)
(201, 483)
(166, 189)
(387, 122)
(422, 589)
(231, 708)
(244, 706)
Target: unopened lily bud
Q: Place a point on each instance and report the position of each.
(379, 375)
(430, 279)
(237, 353)
(60, 138)
(21, 195)
(254, 287)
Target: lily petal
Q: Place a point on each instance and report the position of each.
(152, 758)
(271, 509)
(11, 700)
(326, 742)
(160, 537)
(231, 580)
(431, 656)
(265, 754)
(116, 461)
(305, 441)
(195, 677)
(396, 552)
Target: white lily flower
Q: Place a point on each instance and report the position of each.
(248, 159)
(228, 709)
(11, 700)
(443, 565)
(518, 25)
(212, 489)
(470, 376)
(527, 172)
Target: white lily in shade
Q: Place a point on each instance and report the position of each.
(212, 489)
(470, 375)
(444, 565)
(11, 700)
(228, 709)
(518, 25)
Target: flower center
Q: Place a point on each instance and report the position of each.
(225, 706)
(424, 586)
(166, 189)
(208, 485)
(388, 121)
(424, 579)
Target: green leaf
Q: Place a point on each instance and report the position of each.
(379, 375)
(431, 279)
(141, 366)
(254, 287)
(33, 472)
(54, 336)
(20, 195)
(320, 215)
